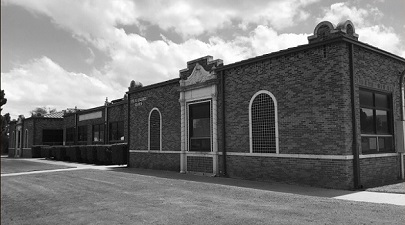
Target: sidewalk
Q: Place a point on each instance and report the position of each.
(362, 196)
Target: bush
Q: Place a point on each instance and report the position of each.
(73, 153)
(83, 153)
(103, 154)
(36, 151)
(45, 152)
(91, 154)
(59, 152)
(119, 154)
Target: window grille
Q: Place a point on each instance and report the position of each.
(154, 130)
(263, 123)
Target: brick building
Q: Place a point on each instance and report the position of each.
(328, 113)
(35, 130)
(96, 126)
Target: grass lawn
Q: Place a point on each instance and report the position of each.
(114, 197)
(11, 165)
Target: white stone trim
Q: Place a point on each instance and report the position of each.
(301, 156)
(275, 118)
(309, 156)
(160, 128)
(378, 155)
(154, 151)
(207, 154)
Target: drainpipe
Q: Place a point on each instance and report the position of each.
(76, 132)
(34, 131)
(128, 126)
(401, 151)
(223, 124)
(355, 147)
(106, 121)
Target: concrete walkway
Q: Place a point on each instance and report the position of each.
(362, 196)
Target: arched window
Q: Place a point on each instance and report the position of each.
(155, 130)
(263, 124)
(26, 138)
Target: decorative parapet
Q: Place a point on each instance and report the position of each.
(325, 30)
(199, 71)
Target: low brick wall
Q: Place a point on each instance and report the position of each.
(158, 161)
(327, 173)
(379, 171)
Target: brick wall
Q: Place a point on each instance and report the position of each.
(376, 71)
(165, 97)
(69, 122)
(45, 123)
(90, 122)
(312, 89)
(379, 171)
(159, 161)
(316, 172)
(118, 112)
(28, 125)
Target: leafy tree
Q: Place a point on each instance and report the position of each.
(3, 100)
(40, 111)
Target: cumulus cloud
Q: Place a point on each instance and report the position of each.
(377, 35)
(42, 82)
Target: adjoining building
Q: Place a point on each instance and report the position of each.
(328, 113)
(35, 130)
(97, 126)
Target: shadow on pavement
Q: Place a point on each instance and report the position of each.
(267, 186)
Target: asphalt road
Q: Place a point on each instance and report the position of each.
(91, 196)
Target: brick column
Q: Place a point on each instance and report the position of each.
(183, 161)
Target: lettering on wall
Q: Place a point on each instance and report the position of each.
(89, 116)
(138, 101)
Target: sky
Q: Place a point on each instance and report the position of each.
(75, 53)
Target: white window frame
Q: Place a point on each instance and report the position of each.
(160, 128)
(275, 120)
(26, 138)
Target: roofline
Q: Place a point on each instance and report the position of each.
(306, 47)
(160, 84)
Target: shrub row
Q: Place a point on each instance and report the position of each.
(94, 154)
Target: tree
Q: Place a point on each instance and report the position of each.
(40, 111)
(3, 100)
(4, 120)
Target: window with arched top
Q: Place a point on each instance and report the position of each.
(26, 138)
(155, 130)
(263, 124)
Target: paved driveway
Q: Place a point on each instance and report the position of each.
(107, 195)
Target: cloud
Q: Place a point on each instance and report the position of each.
(42, 82)
(377, 35)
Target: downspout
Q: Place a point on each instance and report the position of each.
(106, 123)
(34, 131)
(223, 124)
(76, 132)
(355, 147)
(401, 151)
(128, 127)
